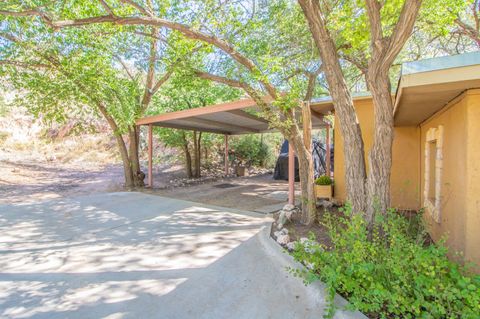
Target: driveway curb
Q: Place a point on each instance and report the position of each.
(314, 290)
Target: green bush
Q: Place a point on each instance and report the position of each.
(4, 107)
(323, 180)
(3, 137)
(391, 274)
(253, 149)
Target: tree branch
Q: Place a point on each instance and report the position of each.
(26, 13)
(162, 80)
(24, 64)
(467, 30)
(151, 69)
(262, 101)
(186, 30)
(125, 67)
(312, 79)
(142, 10)
(373, 10)
(401, 32)
(107, 7)
(221, 79)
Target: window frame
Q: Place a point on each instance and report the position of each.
(434, 135)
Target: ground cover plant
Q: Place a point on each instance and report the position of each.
(391, 271)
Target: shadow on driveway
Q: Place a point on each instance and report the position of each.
(133, 255)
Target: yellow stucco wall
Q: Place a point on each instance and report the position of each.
(405, 187)
(460, 178)
(472, 222)
(460, 181)
(453, 178)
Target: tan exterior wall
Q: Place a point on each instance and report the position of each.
(459, 217)
(405, 187)
(460, 181)
(472, 222)
(405, 184)
(453, 183)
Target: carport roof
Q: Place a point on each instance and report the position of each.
(231, 118)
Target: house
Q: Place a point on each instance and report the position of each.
(436, 155)
(436, 150)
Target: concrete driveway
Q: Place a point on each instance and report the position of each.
(133, 255)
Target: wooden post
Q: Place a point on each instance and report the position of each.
(226, 155)
(328, 155)
(291, 174)
(150, 155)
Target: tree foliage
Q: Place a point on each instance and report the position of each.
(186, 91)
(270, 52)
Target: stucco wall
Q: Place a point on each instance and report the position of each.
(405, 187)
(472, 222)
(460, 182)
(452, 219)
(364, 109)
(460, 177)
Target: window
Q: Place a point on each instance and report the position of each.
(433, 171)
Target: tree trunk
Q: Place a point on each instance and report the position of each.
(188, 162)
(353, 148)
(127, 168)
(138, 175)
(197, 153)
(188, 157)
(380, 156)
(305, 165)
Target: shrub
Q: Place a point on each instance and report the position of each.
(4, 107)
(323, 180)
(253, 149)
(391, 274)
(3, 137)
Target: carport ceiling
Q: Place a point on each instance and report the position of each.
(230, 118)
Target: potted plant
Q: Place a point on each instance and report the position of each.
(241, 169)
(324, 187)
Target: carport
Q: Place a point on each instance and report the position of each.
(232, 118)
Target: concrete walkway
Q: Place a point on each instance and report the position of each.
(133, 255)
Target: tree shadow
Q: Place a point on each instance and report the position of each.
(109, 254)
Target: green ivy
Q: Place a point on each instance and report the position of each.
(391, 273)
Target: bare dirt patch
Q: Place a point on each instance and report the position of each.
(248, 193)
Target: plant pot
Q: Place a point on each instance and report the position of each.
(323, 191)
(241, 170)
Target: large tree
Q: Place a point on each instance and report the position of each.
(372, 41)
(245, 42)
(186, 91)
(102, 69)
(266, 52)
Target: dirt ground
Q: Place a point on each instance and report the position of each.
(255, 193)
(27, 181)
(34, 167)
